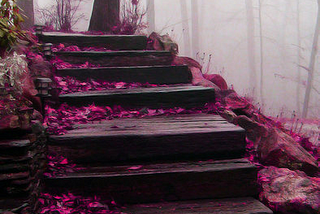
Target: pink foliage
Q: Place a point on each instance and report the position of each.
(59, 165)
(71, 85)
(60, 64)
(72, 204)
(62, 119)
(62, 47)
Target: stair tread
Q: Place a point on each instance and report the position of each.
(117, 58)
(159, 168)
(143, 74)
(64, 34)
(164, 89)
(157, 182)
(221, 206)
(159, 125)
(121, 42)
(159, 137)
(10, 144)
(114, 53)
(155, 97)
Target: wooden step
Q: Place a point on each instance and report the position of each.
(14, 147)
(13, 204)
(158, 182)
(185, 96)
(221, 206)
(112, 42)
(117, 58)
(142, 74)
(163, 137)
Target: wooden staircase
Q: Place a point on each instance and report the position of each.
(186, 163)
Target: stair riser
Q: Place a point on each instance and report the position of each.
(109, 42)
(158, 187)
(114, 60)
(184, 99)
(127, 148)
(219, 206)
(154, 75)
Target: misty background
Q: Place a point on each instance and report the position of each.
(261, 47)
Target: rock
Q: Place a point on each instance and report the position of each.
(195, 69)
(198, 79)
(217, 80)
(254, 130)
(162, 43)
(274, 147)
(281, 150)
(289, 192)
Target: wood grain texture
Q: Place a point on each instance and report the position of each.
(112, 42)
(155, 182)
(220, 206)
(142, 74)
(165, 137)
(186, 96)
(118, 58)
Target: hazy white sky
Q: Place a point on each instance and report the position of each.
(222, 32)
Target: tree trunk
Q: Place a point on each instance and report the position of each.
(311, 65)
(251, 48)
(298, 58)
(105, 15)
(151, 16)
(195, 28)
(185, 26)
(27, 7)
(261, 56)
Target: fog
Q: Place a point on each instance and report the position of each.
(261, 47)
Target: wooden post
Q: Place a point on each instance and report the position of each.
(105, 15)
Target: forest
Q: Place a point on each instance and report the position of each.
(263, 48)
(159, 106)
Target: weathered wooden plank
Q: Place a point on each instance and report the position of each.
(14, 148)
(143, 74)
(153, 138)
(220, 206)
(156, 97)
(112, 42)
(155, 182)
(118, 58)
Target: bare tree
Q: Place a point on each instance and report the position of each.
(62, 15)
(195, 27)
(298, 56)
(251, 47)
(27, 7)
(311, 65)
(105, 15)
(261, 55)
(185, 26)
(151, 16)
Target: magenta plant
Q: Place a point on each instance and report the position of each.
(131, 21)
(62, 15)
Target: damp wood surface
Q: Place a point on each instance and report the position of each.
(112, 42)
(155, 97)
(220, 206)
(117, 58)
(155, 182)
(173, 137)
(142, 74)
